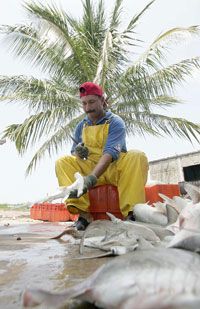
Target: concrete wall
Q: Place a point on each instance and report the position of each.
(170, 170)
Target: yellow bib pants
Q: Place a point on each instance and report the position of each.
(128, 172)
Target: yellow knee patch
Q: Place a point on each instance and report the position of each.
(72, 209)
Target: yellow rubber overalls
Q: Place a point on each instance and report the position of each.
(128, 172)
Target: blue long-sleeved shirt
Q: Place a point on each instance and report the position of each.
(116, 141)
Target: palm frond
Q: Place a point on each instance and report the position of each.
(148, 104)
(26, 43)
(132, 24)
(161, 81)
(50, 17)
(162, 125)
(54, 143)
(115, 16)
(155, 53)
(104, 61)
(40, 95)
(70, 51)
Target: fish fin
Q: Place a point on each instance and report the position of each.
(181, 221)
(80, 183)
(113, 218)
(172, 214)
(193, 192)
(68, 231)
(167, 199)
(108, 253)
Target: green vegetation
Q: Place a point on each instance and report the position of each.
(13, 207)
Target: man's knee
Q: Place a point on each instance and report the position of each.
(62, 162)
(137, 155)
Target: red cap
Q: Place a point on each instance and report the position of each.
(88, 88)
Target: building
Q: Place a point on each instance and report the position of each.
(176, 169)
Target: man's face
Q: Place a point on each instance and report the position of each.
(93, 106)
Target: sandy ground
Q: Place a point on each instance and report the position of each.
(30, 258)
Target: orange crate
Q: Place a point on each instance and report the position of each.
(104, 199)
(169, 190)
(35, 212)
(45, 211)
(51, 212)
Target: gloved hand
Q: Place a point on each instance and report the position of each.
(89, 182)
(81, 151)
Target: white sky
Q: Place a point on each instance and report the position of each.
(163, 15)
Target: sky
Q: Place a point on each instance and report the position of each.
(163, 15)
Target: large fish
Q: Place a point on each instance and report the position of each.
(111, 227)
(152, 276)
(188, 235)
(161, 231)
(147, 213)
(187, 226)
(193, 192)
(161, 214)
(63, 192)
(119, 237)
(187, 205)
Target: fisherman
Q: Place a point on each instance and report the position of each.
(100, 154)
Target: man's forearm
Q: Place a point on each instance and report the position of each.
(102, 165)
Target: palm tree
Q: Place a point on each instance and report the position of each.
(70, 52)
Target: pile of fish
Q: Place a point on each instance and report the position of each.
(161, 278)
(158, 265)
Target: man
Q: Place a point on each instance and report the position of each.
(99, 153)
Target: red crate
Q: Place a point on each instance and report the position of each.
(51, 212)
(104, 199)
(36, 212)
(169, 190)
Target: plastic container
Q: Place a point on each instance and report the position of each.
(169, 190)
(36, 212)
(51, 212)
(104, 199)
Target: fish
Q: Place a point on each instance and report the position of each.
(163, 302)
(159, 230)
(161, 214)
(111, 229)
(162, 274)
(76, 234)
(188, 235)
(115, 237)
(194, 194)
(147, 213)
(64, 192)
(119, 244)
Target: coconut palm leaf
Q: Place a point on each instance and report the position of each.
(158, 83)
(40, 95)
(154, 56)
(161, 125)
(54, 143)
(69, 51)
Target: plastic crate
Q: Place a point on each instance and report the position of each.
(36, 212)
(51, 212)
(169, 190)
(104, 199)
